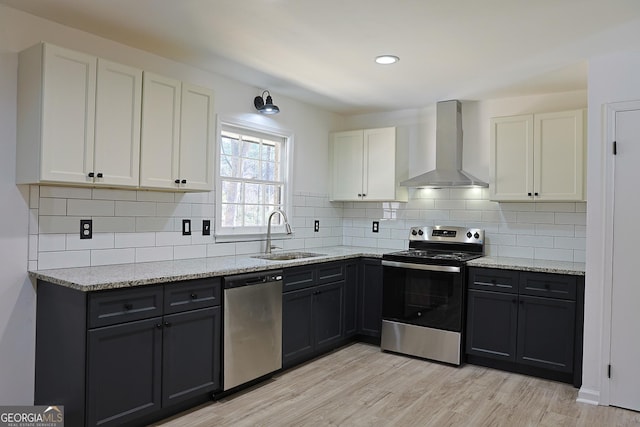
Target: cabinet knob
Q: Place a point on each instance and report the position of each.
(535, 194)
(167, 324)
(364, 195)
(514, 301)
(194, 296)
(99, 175)
(529, 194)
(359, 195)
(159, 325)
(184, 181)
(91, 174)
(177, 181)
(128, 306)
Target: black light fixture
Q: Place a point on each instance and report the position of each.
(265, 106)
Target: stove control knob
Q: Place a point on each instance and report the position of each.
(469, 234)
(420, 232)
(414, 232)
(477, 236)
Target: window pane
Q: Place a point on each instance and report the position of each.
(268, 152)
(252, 193)
(272, 195)
(227, 145)
(251, 150)
(250, 169)
(254, 215)
(231, 192)
(232, 215)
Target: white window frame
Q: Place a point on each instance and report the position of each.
(227, 234)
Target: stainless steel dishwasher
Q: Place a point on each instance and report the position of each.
(252, 326)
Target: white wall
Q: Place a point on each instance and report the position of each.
(18, 31)
(612, 78)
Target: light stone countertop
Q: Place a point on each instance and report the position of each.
(97, 278)
(129, 275)
(525, 264)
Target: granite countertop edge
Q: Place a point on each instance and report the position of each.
(535, 265)
(88, 279)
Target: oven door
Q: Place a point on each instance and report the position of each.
(423, 295)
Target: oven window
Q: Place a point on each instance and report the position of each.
(424, 298)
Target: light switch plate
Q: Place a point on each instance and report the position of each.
(375, 227)
(206, 227)
(186, 227)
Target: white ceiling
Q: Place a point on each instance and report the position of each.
(322, 51)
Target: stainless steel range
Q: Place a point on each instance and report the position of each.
(423, 292)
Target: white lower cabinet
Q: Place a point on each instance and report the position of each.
(367, 165)
(177, 135)
(538, 157)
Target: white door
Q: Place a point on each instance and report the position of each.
(68, 114)
(379, 174)
(346, 165)
(625, 316)
(511, 170)
(117, 140)
(559, 156)
(160, 134)
(196, 138)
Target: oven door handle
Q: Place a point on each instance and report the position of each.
(426, 267)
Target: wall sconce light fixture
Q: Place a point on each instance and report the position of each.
(265, 106)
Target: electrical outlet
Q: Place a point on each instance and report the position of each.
(206, 227)
(186, 227)
(316, 226)
(86, 229)
(375, 227)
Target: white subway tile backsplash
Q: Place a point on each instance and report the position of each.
(221, 249)
(59, 224)
(450, 204)
(99, 241)
(515, 228)
(578, 243)
(465, 215)
(534, 241)
(111, 194)
(535, 217)
(499, 216)
(555, 207)
(190, 251)
(172, 238)
(52, 242)
(579, 256)
(202, 210)
(34, 196)
(134, 240)
(34, 221)
(197, 198)
(135, 208)
(113, 256)
(114, 224)
(154, 224)
(89, 208)
(154, 196)
(518, 207)
(173, 209)
(65, 192)
(164, 253)
(555, 230)
(53, 206)
(581, 230)
(515, 251)
(555, 254)
(66, 259)
(33, 247)
(571, 218)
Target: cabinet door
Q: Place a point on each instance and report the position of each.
(511, 158)
(190, 354)
(297, 325)
(492, 319)
(196, 138)
(351, 299)
(546, 333)
(68, 115)
(379, 173)
(328, 312)
(160, 134)
(346, 165)
(559, 156)
(124, 372)
(117, 137)
(370, 298)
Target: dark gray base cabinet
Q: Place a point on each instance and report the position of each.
(145, 350)
(370, 299)
(527, 322)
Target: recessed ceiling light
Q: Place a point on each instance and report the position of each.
(387, 59)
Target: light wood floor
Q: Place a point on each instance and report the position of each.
(359, 385)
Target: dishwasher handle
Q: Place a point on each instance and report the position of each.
(250, 279)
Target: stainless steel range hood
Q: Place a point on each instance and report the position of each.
(448, 171)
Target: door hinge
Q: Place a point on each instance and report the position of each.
(615, 148)
(609, 371)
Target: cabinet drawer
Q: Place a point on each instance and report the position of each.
(493, 279)
(548, 285)
(299, 278)
(191, 295)
(330, 272)
(124, 305)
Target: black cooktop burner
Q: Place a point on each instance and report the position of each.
(418, 255)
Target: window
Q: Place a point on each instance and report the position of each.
(252, 180)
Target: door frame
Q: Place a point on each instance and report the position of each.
(610, 111)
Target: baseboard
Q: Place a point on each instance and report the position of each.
(591, 397)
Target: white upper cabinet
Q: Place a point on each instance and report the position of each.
(117, 134)
(56, 115)
(177, 135)
(367, 165)
(538, 157)
(78, 119)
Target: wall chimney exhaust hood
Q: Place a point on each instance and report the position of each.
(448, 171)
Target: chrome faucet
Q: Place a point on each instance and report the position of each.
(287, 227)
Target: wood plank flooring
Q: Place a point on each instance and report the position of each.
(359, 385)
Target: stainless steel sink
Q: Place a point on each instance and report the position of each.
(286, 256)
